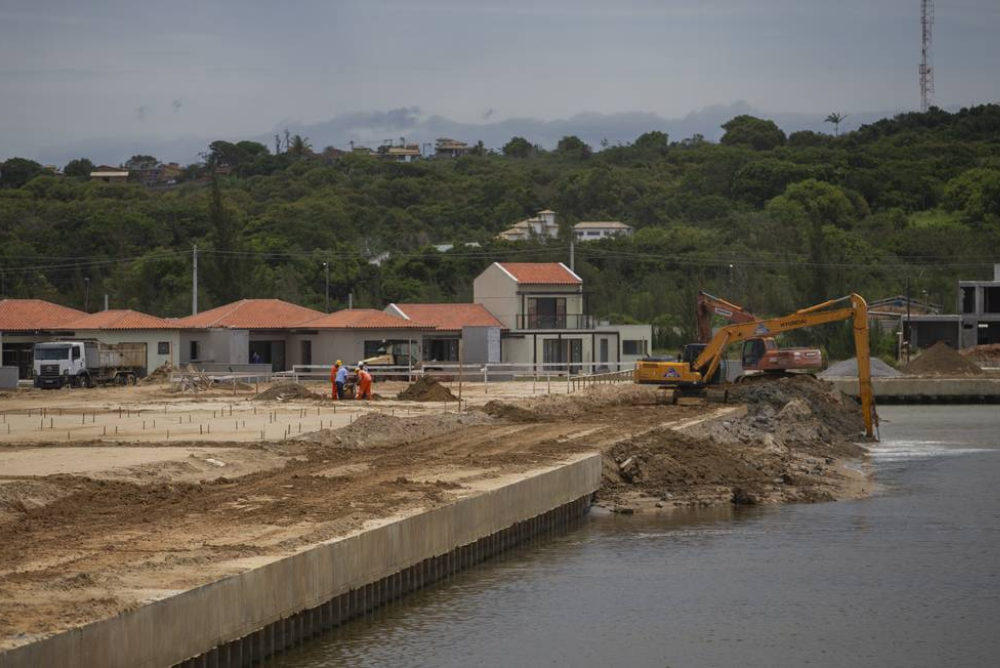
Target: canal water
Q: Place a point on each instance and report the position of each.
(909, 577)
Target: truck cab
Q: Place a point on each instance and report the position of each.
(60, 363)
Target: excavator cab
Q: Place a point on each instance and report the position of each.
(753, 352)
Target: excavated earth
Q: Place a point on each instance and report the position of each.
(75, 548)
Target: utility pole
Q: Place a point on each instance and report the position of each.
(906, 338)
(926, 69)
(105, 302)
(86, 299)
(194, 281)
(572, 254)
(326, 267)
(350, 301)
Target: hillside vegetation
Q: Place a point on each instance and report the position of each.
(774, 222)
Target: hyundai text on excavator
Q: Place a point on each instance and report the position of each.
(704, 369)
(760, 354)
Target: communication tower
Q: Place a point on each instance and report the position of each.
(926, 68)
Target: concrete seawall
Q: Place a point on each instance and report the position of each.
(276, 603)
(926, 390)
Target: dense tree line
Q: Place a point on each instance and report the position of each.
(773, 221)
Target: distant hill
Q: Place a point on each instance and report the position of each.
(372, 128)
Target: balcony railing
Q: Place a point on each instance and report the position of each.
(572, 321)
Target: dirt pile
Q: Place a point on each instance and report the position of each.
(286, 392)
(160, 374)
(942, 360)
(787, 448)
(427, 389)
(377, 430)
(585, 402)
(817, 403)
(849, 369)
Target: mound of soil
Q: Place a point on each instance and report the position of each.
(816, 401)
(849, 369)
(285, 392)
(427, 389)
(786, 449)
(160, 374)
(377, 430)
(584, 402)
(942, 360)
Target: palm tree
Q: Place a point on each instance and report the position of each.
(300, 145)
(836, 118)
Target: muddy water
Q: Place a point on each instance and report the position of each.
(910, 577)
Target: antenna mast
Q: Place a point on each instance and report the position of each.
(926, 69)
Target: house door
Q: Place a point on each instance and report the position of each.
(604, 355)
(553, 355)
(575, 354)
(305, 351)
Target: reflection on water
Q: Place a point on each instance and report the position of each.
(909, 578)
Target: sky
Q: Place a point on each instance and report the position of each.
(75, 73)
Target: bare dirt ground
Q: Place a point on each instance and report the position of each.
(115, 514)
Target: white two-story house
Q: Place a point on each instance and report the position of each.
(543, 308)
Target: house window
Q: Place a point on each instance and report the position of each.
(163, 348)
(306, 351)
(634, 347)
(968, 300)
(547, 312)
(375, 349)
(441, 350)
(193, 350)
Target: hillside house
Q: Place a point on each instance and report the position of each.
(542, 226)
(591, 230)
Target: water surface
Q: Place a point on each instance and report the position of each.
(910, 577)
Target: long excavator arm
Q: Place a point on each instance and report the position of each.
(830, 311)
(708, 305)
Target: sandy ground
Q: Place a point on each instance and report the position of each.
(115, 514)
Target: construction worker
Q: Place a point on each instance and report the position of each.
(341, 379)
(333, 380)
(364, 383)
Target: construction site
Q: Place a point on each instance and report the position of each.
(115, 498)
(262, 511)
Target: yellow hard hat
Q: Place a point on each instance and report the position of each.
(339, 362)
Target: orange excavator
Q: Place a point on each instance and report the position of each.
(760, 354)
(701, 364)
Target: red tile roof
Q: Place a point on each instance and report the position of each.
(120, 319)
(361, 318)
(449, 317)
(251, 314)
(28, 315)
(541, 273)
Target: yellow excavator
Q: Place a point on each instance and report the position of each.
(700, 364)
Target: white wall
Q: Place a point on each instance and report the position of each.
(222, 346)
(346, 345)
(497, 291)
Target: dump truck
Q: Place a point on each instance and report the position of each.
(761, 355)
(86, 363)
(701, 364)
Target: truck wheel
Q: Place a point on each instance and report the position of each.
(86, 381)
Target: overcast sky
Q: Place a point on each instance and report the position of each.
(75, 70)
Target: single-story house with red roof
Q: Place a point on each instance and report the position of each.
(248, 331)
